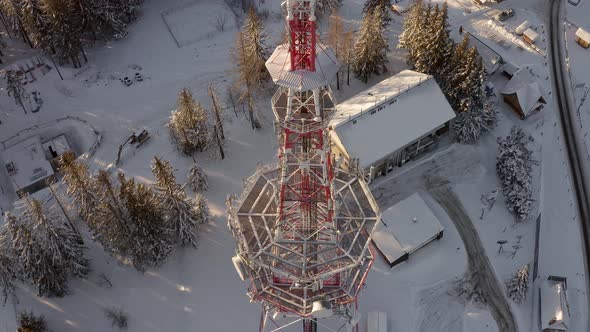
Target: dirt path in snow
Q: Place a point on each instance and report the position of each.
(480, 271)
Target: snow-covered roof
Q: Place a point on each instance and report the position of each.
(531, 34)
(279, 65)
(554, 312)
(406, 227)
(528, 91)
(510, 68)
(390, 115)
(522, 27)
(29, 161)
(583, 34)
(490, 58)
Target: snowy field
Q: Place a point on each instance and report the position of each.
(175, 44)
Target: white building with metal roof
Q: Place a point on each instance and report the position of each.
(390, 123)
(406, 227)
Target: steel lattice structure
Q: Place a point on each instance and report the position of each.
(303, 225)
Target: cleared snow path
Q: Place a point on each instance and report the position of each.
(479, 267)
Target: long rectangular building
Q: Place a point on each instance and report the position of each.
(390, 123)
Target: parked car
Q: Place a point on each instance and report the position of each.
(505, 14)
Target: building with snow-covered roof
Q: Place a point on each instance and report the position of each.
(583, 37)
(406, 227)
(523, 93)
(530, 36)
(26, 165)
(491, 59)
(390, 123)
(554, 306)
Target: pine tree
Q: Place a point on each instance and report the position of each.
(514, 166)
(456, 59)
(383, 6)
(202, 209)
(151, 235)
(8, 263)
(110, 223)
(324, 6)
(188, 124)
(517, 288)
(35, 23)
(80, 186)
(413, 27)
(65, 30)
(436, 45)
(370, 48)
(62, 248)
(180, 212)
(197, 179)
(247, 76)
(255, 38)
(15, 88)
(335, 40)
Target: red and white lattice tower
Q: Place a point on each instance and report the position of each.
(303, 226)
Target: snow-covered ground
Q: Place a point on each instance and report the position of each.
(199, 289)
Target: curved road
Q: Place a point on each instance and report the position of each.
(579, 166)
(480, 270)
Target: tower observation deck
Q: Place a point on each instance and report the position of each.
(303, 225)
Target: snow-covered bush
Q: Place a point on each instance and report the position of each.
(518, 286)
(197, 179)
(514, 165)
(29, 322)
(118, 317)
(202, 209)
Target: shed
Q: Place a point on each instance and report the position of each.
(583, 37)
(530, 36)
(406, 227)
(401, 7)
(523, 93)
(522, 28)
(554, 306)
(27, 166)
(508, 69)
(390, 123)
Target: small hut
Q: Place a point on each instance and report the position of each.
(530, 36)
(583, 37)
(524, 94)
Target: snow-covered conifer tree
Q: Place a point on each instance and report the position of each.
(370, 50)
(412, 31)
(15, 88)
(383, 6)
(35, 23)
(8, 263)
(518, 286)
(110, 221)
(151, 235)
(180, 212)
(202, 209)
(514, 166)
(436, 44)
(197, 179)
(188, 124)
(65, 32)
(256, 50)
(61, 247)
(80, 186)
